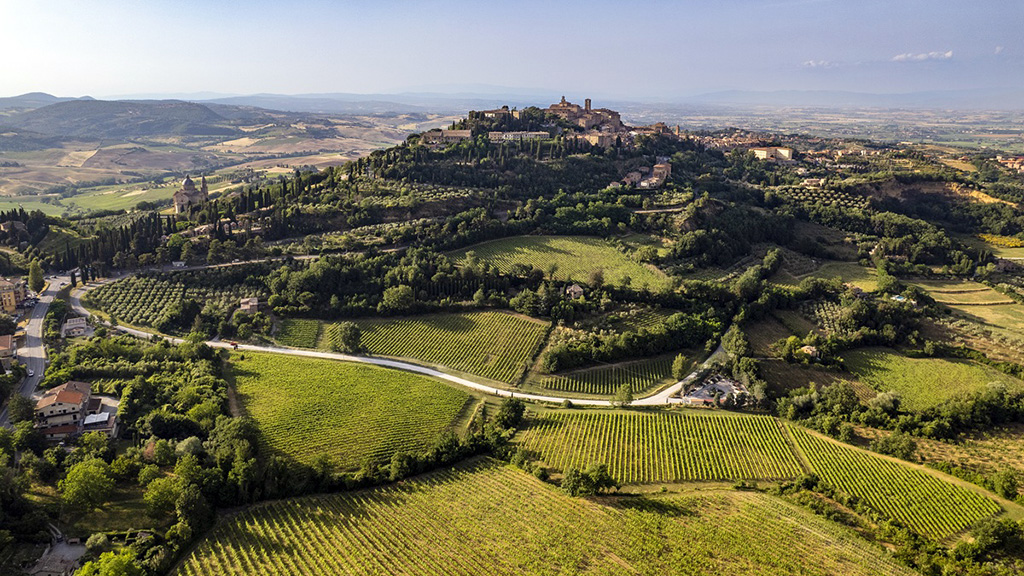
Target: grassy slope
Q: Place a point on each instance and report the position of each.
(498, 520)
(576, 258)
(921, 382)
(308, 406)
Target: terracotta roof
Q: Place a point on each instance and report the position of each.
(6, 342)
(65, 429)
(71, 392)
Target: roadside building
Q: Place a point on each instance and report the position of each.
(8, 349)
(63, 406)
(73, 327)
(71, 409)
(12, 294)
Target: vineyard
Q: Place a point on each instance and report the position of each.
(572, 257)
(606, 380)
(299, 333)
(921, 382)
(664, 447)
(141, 300)
(497, 520)
(494, 345)
(308, 406)
(919, 500)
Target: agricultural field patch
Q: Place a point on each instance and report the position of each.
(923, 502)
(494, 345)
(982, 452)
(795, 322)
(764, 333)
(499, 520)
(850, 272)
(299, 333)
(574, 258)
(663, 447)
(962, 293)
(781, 377)
(921, 382)
(305, 407)
(606, 380)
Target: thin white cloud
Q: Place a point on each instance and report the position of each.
(999, 49)
(911, 57)
(820, 64)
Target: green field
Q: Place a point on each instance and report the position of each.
(299, 333)
(494, 345)
(121, 197)
(606, 380)
(308, 406)
(12, 203)
(960, 292)
(575, 257)
(921, 382)
(851, 272)
(922, 502)
(664, 447)
(484, 518)
(142, 300)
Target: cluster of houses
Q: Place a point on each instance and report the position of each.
(1012, 162)
(71, 409)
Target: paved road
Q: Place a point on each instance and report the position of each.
(33, 354)
(660, 399)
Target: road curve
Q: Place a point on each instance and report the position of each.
(660, 399)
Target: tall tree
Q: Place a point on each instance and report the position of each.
(35, 276)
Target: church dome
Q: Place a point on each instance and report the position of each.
(188, 184)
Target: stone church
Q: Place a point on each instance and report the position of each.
(188, 195)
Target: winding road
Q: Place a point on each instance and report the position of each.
(661, 398)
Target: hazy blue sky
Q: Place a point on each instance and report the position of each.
(637, 49)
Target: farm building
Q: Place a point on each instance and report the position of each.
(574, 291)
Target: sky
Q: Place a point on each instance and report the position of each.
(643, 50)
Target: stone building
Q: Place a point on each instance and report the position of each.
(189, 195)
